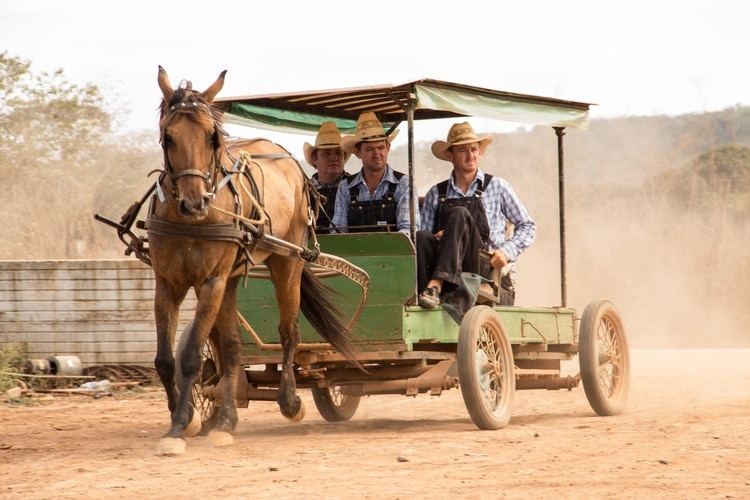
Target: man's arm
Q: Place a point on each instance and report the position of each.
(524, 232)
(428, 219)
(403, 214)
(341, 208)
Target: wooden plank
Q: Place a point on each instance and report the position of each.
(35, 285)
(83, 337)
(83, 349)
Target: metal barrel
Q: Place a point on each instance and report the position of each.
(65, 365)
(36, 366)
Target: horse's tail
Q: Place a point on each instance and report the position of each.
(325, 316)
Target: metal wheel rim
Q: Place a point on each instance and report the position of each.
(208, 376)
(337, 396)
(609, 350)
(491, 373)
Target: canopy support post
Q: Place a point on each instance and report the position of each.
(410, 160)
(412, 181)
(560, 132)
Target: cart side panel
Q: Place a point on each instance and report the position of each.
(429, 326)
(546, 325)
(389, 260)
(524, 325)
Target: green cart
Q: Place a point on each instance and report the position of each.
(406, 349)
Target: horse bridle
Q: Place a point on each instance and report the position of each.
(209, 177)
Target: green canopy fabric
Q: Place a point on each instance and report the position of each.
(426, 98)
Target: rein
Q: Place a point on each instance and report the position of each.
(241, 167)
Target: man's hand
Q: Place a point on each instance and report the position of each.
(498, 259)
(439, 235)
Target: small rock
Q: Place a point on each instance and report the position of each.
(402, 459)
(14, 392)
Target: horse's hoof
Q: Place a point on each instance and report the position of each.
(194, 427)
(297, 417)
(170, 446)
(220, 438)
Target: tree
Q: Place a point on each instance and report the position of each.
(46, 118)
(60, 164)
(717, 181)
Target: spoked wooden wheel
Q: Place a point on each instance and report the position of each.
(604, 358)
(485, 368)
(210, 373)
(333, 404)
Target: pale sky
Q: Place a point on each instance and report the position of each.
(631, 58)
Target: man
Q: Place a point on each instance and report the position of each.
(328, 159)
(463, 215)
(377, 197)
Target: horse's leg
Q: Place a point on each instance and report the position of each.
(166, 312)
(229, 351)
(286, 274)
(210, 296)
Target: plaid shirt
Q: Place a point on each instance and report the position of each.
(322, 185)
(500, 203)
(401, 198)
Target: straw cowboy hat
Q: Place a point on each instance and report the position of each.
(460, 133)
(328, 137)
(369, 129)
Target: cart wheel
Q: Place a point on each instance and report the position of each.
(604, 358)
(485, 368)
(209, 375)
(333, 405)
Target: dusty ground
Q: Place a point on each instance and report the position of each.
(685, 434)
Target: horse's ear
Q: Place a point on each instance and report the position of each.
(215, 88)
(164, 85)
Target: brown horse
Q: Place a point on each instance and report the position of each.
(209, 220)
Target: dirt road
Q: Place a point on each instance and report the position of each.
(685, 434)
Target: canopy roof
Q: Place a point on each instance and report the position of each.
(426, 98)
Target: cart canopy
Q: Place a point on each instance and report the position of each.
(426, 98)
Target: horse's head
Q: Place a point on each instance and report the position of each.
(192, 140)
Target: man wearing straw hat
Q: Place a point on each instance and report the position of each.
(377, 197)
(328, 159)
(463, 215)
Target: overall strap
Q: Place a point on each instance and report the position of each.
(354, 191)
(442, 188)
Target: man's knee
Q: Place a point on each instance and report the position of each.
(458, 215)
(425, 237)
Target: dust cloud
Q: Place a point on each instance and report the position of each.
(679, 279)
(673, 286)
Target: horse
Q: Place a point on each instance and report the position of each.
(208, 222)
